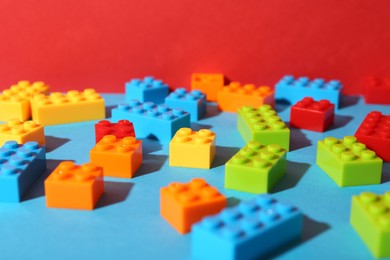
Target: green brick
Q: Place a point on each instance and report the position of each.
(370, 217)
(256, 168)
(263, 125)
(348, 162)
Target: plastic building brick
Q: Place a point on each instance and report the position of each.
(264, 125)
(255, 168)
(377, 91)
(192, 149)
(72, 186)
(235, 96)
(20, 166)
(251, 230)
(147, 90)
(182, 205)
(209, 83)
(118, 157)
(375, 133)
(72, 107)
(122, 129)
(370, 217)
(312, 115)
(15, 101)
(150, 120)
(348, 162)
(293, 89)
(21, 132)
(193, 102)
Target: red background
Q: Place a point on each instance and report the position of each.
(102, 44)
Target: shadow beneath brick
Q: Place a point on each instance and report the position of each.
(211, 110)
(197, 126)
(232, 201)
(150, 145)
(310, 229)
(108, 110)
(281, 105)
(340, 121)
(150, 163)
(347, 101)
(37, 189)
(295, 172)
(53, 142)
(386, 172)
(298, 139)
(114, 192)
(223, 154)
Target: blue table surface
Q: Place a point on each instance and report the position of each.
(127, 223)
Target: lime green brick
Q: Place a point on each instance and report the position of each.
(370, 217)
(263, 125)
(256, 168)
(348, 162)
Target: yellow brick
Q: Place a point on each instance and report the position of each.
(74, 106)
(15, 101)
(192, 149)
(20, 132)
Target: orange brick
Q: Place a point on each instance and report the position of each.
(20, 132)
(182, 205)
(209, 83)
(235, 96)
(15, 101)
(74, 187)
(118, 157)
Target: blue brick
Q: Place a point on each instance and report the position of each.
(147, 90)
(149, 119)
(193, 102)
(250, 230)
(293, 89)
(20, 167)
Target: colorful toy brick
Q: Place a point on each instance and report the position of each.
(370, 217)
(72, 107)
(348, 162)
(21, 132)
(375, 133)
(72, 186)
(192, 149)
(122, 129)
(118, 157)
(293, 89)
(312, 115)
(256, 168)
(15, 101)
(147, 90)
(20, 166)
(182, 205)
(250, 230)
(264, 125)
(209, 83)
(377, 91)
(150, 120)
(193, 102)
(235, 96)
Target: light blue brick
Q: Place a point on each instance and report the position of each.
(193, 102)
(250, 230)
(150, 119)
(148, 89)
(20, 167)
(293, 89)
